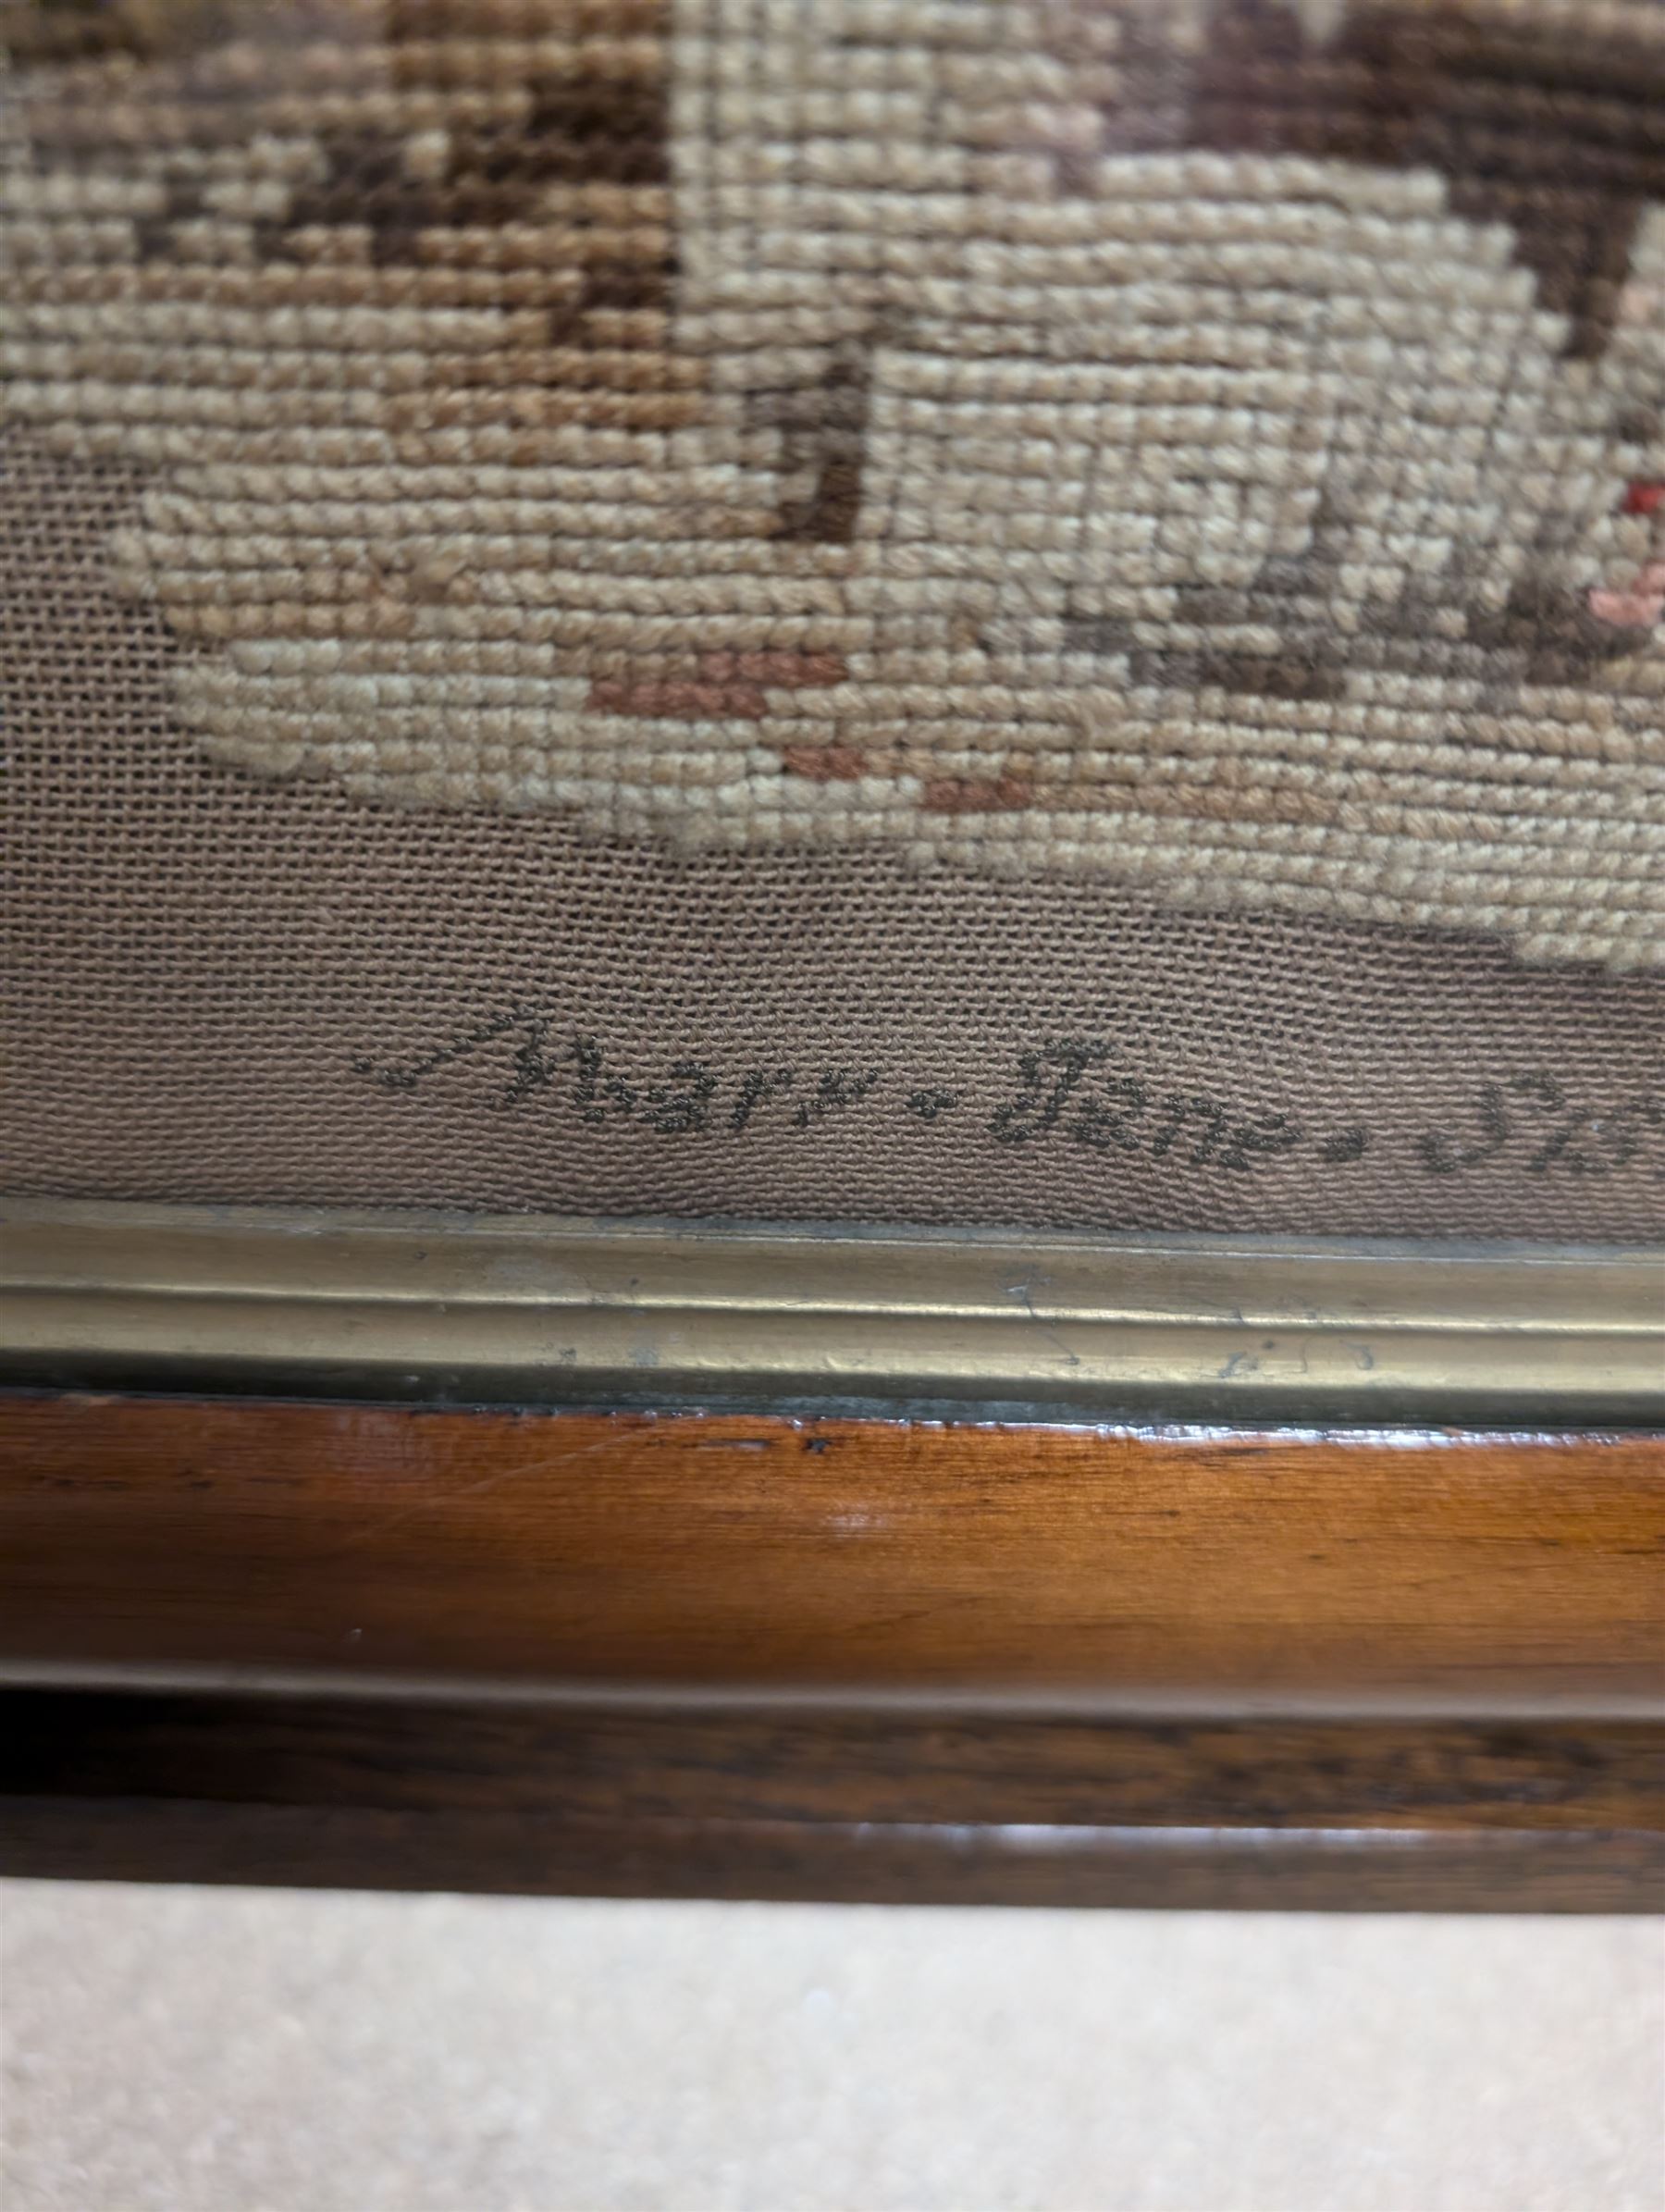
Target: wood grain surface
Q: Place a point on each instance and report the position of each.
(700, 1556)
(378, 1792)
(621, 1654)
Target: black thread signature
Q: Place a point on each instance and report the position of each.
(1067, 1090)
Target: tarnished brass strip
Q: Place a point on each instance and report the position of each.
(550, 1310)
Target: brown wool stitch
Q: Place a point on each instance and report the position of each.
(1210, 445)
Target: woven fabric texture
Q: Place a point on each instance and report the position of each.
(1037, 611)
(1215, 443)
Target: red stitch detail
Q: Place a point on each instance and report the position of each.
(1643, 497)
(679, 702)
(954, 796)
(1639, 608)
(824, 764)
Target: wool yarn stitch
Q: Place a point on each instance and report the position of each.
(1218, 445)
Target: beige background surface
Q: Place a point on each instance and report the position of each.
(229, 2051)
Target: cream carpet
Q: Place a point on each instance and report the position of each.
(239, 2051)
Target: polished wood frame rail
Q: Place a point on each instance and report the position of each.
(270, 1639)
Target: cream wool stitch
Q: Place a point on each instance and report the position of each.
(1216, 448)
